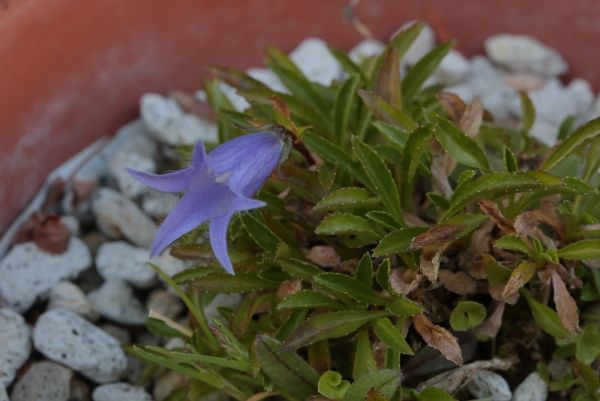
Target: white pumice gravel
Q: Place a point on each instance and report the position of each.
(44, 381)
(15, 344)
(69, 296)
(488, 384)
(120, 260)
(120, 392)
(116, 301)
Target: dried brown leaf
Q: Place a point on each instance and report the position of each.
(288, 288)
(48, 232)
(452, 104)
(388, 85)
(430, 262)
(439, 338)
(518, 278)
(481, 243)
(565, 304)
(455, 379)
(491, 209)
(459, 283)
(437, 235)
(470, 121)
(439, 175)
(324, 256)
(526, 224)
(403, 282)
(496, 293)
(492, 324)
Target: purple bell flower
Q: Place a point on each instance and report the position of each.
(216, 186)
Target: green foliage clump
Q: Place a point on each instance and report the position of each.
(406, 234)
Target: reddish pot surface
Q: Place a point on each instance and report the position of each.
(72, 71)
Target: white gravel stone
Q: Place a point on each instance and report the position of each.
(238, 102)
(118, 217)
(222, 301)
(44, 381)
(544, 131)
(166, 383)
(67, 338)
(424, 43)
(268, 78)
(165, 303)
(117, 332)
(127, 184)
(120, 392)
(365, 49)
(453, 68)
(28, 273)
(488, 384)
(15, 345)
(158, 204)
(69, 296)
(171, 125)
(3, 395)
(316, 62)
(116, 301)
(533, 388)
(72, 224)
(120, 260)
(524, 53)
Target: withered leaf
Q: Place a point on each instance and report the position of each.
(388, 85)
(324, 256)
(526, 224)
(459, 283)
(455, 379)
(439, 175)
(439, 338)
(403, 282)
(491, 209)
(436, 236)
(452, 104)
(430, 261)
(518, 278)
(492, 324)
(48, 232)
(496, 293)
(287, 288)
(565, 304)
(471, 119)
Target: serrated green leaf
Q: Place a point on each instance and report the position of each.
(349, 286)
(397, 241)
(528, 111)
(416, 145)
(299, 268)
(347, 64)
(330, 325)
(345, 102)
(418, 74)
(290, 374)
(546, 317)
(383, 274)
(580, 137)
(461, 147)
(228, 341)
(380, 176)
(512, 243)
(385, 381)
(389, 334)
(585, 249)
(383, 218)
(364, 270)
(510, 161)
(260, 233)
(343, 224)
(385, 111)
(308, 299)
(364, 360)
(403, 307)
(467, 314)
(345, 199)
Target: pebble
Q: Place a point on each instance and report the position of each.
(238, 102)
(72, 224)
(533, 388)
(269, 78)
(69, 296)
(524, 53)
(120, 260)
(365, 49)
(117, 217)
(3, 395)
(116, 301)
(117, 332)
(316, 62)
(165, 303)
(452, 69)
(158, 204)
(120, 392)
(65, 337)
(166, 383)
(231, 301)
(171, 125)
(44, 381)
(488, 384)
(15, 345)
(422, 45)
(123, 159)
(28, 273)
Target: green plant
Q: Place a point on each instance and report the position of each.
(401, 211)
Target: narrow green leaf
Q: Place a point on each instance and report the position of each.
(403, 307)
(299, 268)
(330, 325)
(580, 137)
(349, 286)
(383, 218)
(389, 334)
(347, 64)
(418, 74)
(496, 273)
(308, 299)
(290, 374)
(385, 381)
(345, 199)
(345, 102)
(387, 83)
(416, 145)
(467, 314)
(364, 270)
(546, 317)
(385, 111)
(380, 176)
(461, 147)
(260, 233)
(383, 274)
(587, 347)
(510, 161)
(227, 283)
(228, 341)
(512, 243)
(397, 241)
(344, 224)
(364, 360)
(528, 111)
(585, 249)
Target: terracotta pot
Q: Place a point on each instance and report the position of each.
(72, 71)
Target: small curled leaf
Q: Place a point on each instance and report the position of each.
(331, 385)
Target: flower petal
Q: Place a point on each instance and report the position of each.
(242, 203)
(217, 229)
(250, 159)
(199, 155)
(177, 181)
